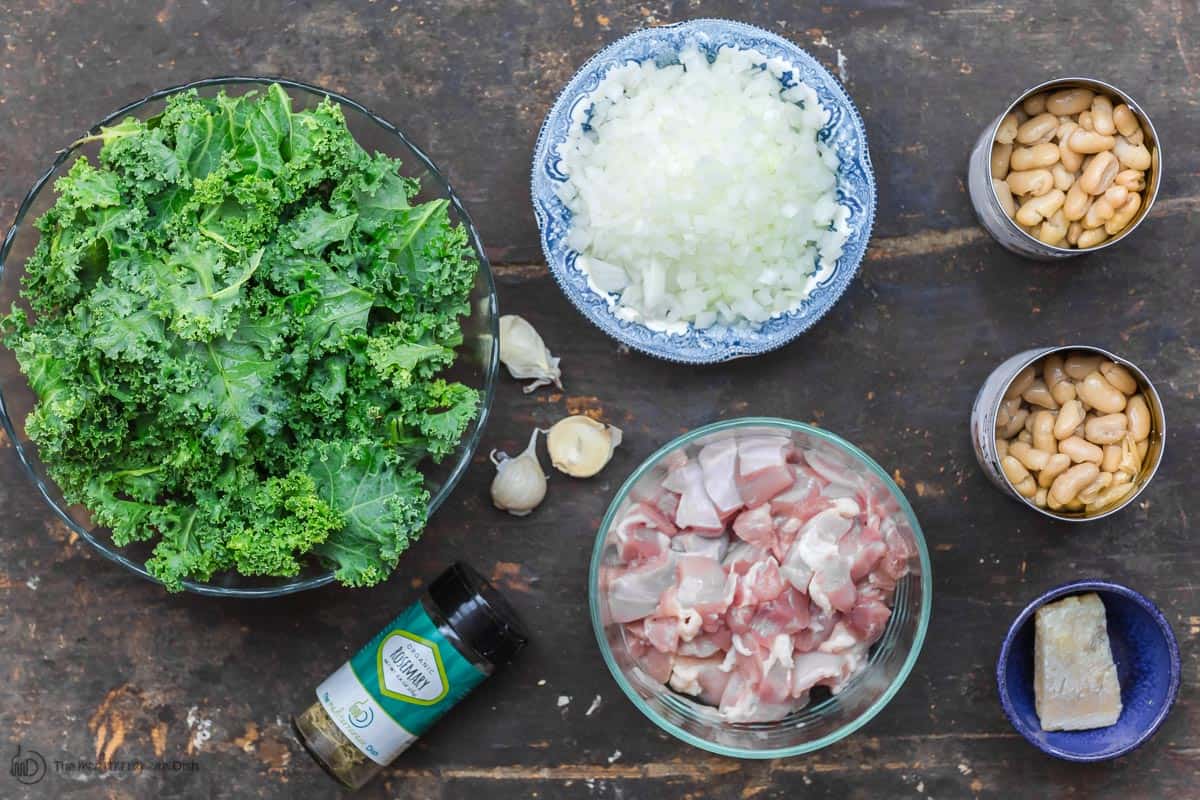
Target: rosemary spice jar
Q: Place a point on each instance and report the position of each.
(404, 680)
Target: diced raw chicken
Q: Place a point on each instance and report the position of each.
(718, 461)
(707, 644)
(701, 678)
(796, 499)
(635, 592)
(762, 583)
(869, 618)
(696, 509)
(743, 555)
(640, 544)
(814, 669)
(747, 606)
(714, 547)
(655, 664)
(763, 471)
(662, 633)
(755, 526)
(704, 585)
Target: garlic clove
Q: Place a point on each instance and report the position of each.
(520, 485)
(526, 355)
(580, 446)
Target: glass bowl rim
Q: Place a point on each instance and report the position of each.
(851, 726)
(490, 367)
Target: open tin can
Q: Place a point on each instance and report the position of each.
(987, 205)
(987, 408)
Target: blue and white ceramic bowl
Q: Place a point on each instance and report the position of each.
(855, 180)
(1148, 669)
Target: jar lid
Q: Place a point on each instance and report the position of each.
(479, 613)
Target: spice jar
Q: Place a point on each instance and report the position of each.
(416, 669)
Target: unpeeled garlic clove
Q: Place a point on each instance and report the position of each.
(520, 485)
(526, 355)
(580, 446)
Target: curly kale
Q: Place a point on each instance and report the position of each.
(240, 317)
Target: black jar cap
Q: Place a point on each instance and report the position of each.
(478, 613)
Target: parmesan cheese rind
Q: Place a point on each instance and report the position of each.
(1074, 677)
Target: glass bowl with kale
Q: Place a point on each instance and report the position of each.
(249, 338)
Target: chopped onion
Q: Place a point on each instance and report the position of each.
(699, 192)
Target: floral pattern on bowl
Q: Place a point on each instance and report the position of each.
(855, 182)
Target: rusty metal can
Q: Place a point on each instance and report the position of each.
(987, 406)
(1006, 231)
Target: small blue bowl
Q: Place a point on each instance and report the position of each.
(1148, 668)
(855, 182)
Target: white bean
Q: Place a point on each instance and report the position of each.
(1100, 173)
(1036, 209)
(1006, 133)
(1034, 182)
(1138, 412)
(1068, 419)
(1080, 450)
(1102, 115)
(1108, 429)
(1079, 365)
(1038, 129)
(1131, 156)
(1124, 119)
(1069, 484)
(1034, 104)
(1069, 101)
(1039, 155)
(1022, 381)
(1100, 394)
(1056, 465)
(1001, 154)
(1118, 376)
(1124, 215)
(1004, 195)
(1043, 432)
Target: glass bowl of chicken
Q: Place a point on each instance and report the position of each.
(760, 588)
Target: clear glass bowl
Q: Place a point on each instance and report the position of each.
(821, 723)
(478, 357)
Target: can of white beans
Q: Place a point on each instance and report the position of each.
(990, 210)
(987, 410)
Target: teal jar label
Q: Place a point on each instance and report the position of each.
(396, 687)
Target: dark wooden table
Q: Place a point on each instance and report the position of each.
(96, 663)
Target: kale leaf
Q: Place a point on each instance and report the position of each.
(239, 321)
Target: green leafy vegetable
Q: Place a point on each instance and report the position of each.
(239, 320)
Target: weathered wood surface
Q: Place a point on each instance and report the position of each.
(97, 663)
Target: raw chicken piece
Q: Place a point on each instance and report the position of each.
(762, 583)
(742, 556)
(820, 626)
(740, 702)
(718, 461)
(655, 664)
(813, 669)
(788, 613)
(817, 547)
(689, 620)
(635, 592)
(662, 633)
(714, 547)
(704, 585)
(696, 509)
(862, 547)
(763, 471)
(701, 678)
(707, 644)
(793, 502)
(755, 526)
(640, 544)
(841, 639)
(869, 618)
(833, 468)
